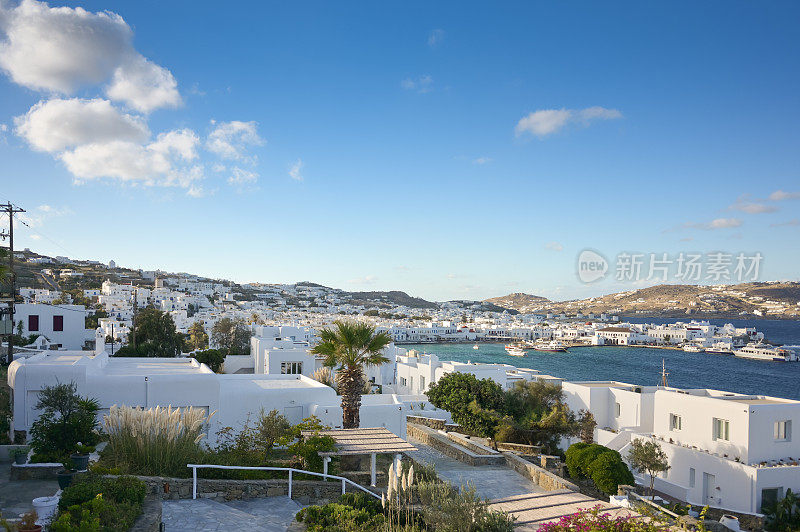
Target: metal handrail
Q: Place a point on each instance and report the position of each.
(291, 471)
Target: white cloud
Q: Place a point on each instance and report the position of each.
(435, 37)
(554, 246)
(230, 140)
(180, 142)
(63, 49)
(295, 169)
(718, 223)
(548, 121)
(368, 279)
(144, 86)
(780, 195)
(481, 160)
(751, 207)
(54, 125)
(242, 177)
(421, 84)
(40, 215)
(794, 222)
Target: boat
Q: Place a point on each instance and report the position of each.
(515, 350)
(475, 346)
(766, 352)
(554, 346)
(693, 348)
(719, 350)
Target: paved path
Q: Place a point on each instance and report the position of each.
(509, 491)
(16, 497)
(271, 514)
(490, 481)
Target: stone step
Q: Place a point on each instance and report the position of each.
(206, 515)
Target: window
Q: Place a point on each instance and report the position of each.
(291, 368)
(422, 383)
(618, 409)
(770, 496)
(675, 422)
(403, 381)
(721, 428)
(691, 477)
(58, 323)
(783, 431)
(33, 323)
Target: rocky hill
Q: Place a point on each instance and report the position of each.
(520, 301)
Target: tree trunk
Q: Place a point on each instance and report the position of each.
(351, 383)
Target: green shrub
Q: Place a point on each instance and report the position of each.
(212, 358)
(608, 471)
(103, 504)
(66, 420)
(573, 468)
(336, 517)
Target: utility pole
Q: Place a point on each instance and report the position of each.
(135, 305)
(11, 210)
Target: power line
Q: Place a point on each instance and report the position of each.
(11, 210)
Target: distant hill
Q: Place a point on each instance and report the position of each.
(393, 297)
(520, 302)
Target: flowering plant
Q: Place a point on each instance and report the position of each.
(593, 520)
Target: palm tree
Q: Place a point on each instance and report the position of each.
(350, 346)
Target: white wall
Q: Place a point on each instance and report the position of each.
(74, 334)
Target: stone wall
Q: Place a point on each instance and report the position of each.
(520, 448)
(35, 471)
(473, 446)
(538, 475)
(445, 446)
(431, 422)
(304, 491)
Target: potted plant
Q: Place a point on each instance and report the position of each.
(80, 458)
(27, 523)
(20, 455)
(65, 476)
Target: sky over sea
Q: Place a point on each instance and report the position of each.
(453, 150)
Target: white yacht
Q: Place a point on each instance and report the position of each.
(515, 350)
(476, 346)
(766, 352)
(553, 346)
(693, 348)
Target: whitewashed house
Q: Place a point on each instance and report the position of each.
(63, 325)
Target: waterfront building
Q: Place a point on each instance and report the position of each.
(727, 450)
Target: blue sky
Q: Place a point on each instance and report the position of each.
(449, 149)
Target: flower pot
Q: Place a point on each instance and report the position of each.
(20, 459)
(80, 461)
(36, 528)
(65, 478)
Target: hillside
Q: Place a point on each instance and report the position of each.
(520, 301)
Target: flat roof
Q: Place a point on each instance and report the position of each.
(603, 384)
(153, 366)
(378, 440)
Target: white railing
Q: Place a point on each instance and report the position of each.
(291, 470)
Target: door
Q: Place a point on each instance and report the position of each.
(294, 414)
(709, 489)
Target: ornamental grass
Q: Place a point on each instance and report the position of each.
(156, 441)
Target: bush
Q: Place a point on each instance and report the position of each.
(608, 471)
(95, 503)
(339, 517)
(157, 441)
(595, 521)
(448, 509)
(66, 420)
(212, 358)
(603, 465)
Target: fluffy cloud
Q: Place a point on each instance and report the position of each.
(421, 84)
(62, 49)
(751, 207)
(718, 223)
(481, 160)
(554, 246)
(295, 170)
(229, 140)
(40, 215)
(548, 121)
(780, 195)
(144, 86)
(242, 177)
(55, 125)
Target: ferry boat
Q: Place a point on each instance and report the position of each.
(515, 350)
(767, 352)
(693, 348)
(475, 346)
(719, 350)
(553, 346)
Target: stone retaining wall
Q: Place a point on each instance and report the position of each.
(521, 448)
(538, 475)
(304, 491)
(445, 446)
(35, 471)
(431, 422)
(150, 518)
(473, 446)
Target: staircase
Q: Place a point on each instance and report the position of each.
(271, 514)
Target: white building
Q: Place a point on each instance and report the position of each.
(62, 325)
(727, 450)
